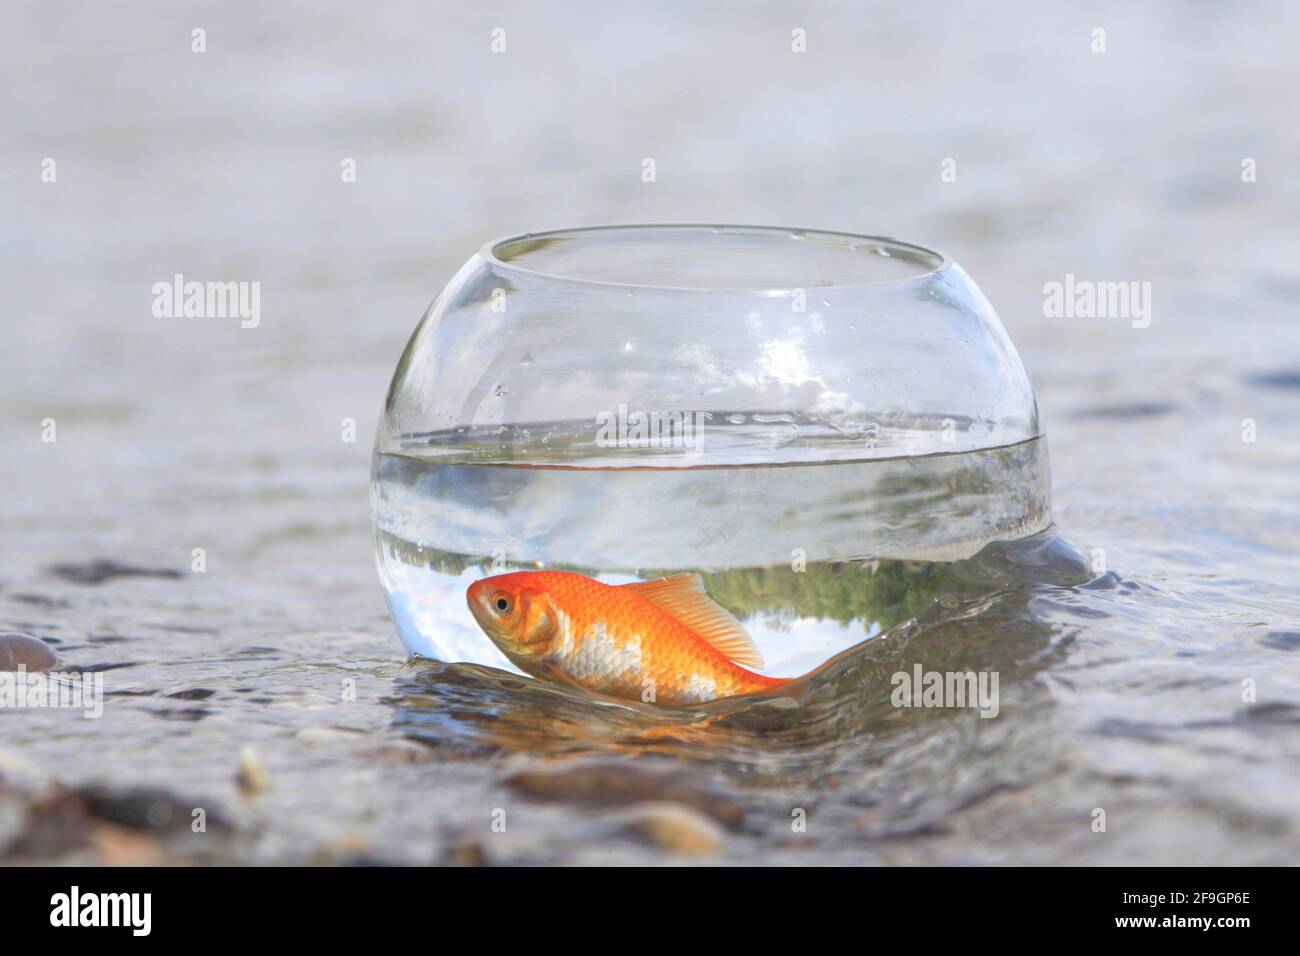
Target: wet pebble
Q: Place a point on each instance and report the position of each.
(327, 736)
(117, 847)
(348, 849)
(401, 751)
(14, 764)
(194, 693)
(183, 714)
(621, 784)
(465, 852)
(12, 818)
(252, 775)
(147, 808)
(673, 828)
(121, 825)
(23, 650)
(97, 572)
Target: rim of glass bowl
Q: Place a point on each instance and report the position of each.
(489, 251)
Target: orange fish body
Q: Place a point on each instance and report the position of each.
(660, 641)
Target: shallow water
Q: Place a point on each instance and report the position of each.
(1120, 689)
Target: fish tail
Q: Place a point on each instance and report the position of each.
(761, 682)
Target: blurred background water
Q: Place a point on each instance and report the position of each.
(1122, 669)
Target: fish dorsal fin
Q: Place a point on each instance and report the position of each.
(682, 596)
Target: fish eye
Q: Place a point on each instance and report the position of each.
(502, 603)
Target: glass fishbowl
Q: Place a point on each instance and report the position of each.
(816, 423)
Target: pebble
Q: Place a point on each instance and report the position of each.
(252, 775)
(23, 650)
(15, 766)
(120, 826)
(349, 848)
(194, 693)
(118, 847)
(327, 736)
(673, 827)
(610, 784)
(97, 572)
(465, 852)
(151, 809)
(401, 751)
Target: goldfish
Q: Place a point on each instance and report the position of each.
(663, 641)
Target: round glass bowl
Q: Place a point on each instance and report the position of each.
(816, 422)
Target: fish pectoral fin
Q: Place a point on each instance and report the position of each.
(551, 668)
(683, 596)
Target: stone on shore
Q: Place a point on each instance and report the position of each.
(27, 652)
